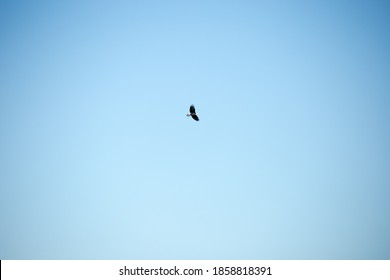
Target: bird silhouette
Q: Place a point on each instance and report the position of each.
(193, 113)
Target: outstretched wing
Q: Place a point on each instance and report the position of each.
(192, 109)
(195, 117)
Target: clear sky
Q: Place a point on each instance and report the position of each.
(290, 158)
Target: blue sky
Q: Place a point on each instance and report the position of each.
(290, 158)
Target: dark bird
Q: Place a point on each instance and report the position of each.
(193, 113)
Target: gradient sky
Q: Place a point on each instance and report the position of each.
(290, 158)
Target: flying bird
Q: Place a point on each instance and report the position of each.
(193, 113)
